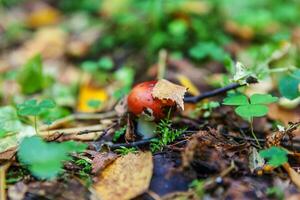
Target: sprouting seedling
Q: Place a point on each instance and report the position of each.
(255, 106)
(33, 108)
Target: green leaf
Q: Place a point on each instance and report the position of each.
(29, 108)
(94, 103)
(177, 27)
(276, 156)
(208, 49)
(105, 63)
(33, 108)
(119, 133)
(249, 111)
(47, 103)
(44, 160)
(289, 85)
(125, 75)
(31, 77)
(89, 66)
(236, 100)
(9, 121)
(262, 99)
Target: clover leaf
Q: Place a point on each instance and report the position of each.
(276, 156)
(249, 108)
(288, 85)
(45, 160)
(33, 108)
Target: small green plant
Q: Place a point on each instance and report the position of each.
(33, 108)
(126, 150)
(276, 156)
(119, 133)
(198, 187)
(44, 160)
(166, 135)
(206, 108)
(276, 192)
(84, 172)
(250, 108)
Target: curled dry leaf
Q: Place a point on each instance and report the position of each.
(164, 89)
(102, 160)
(126, 178)
(295, 177)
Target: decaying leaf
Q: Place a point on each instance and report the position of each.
(17, 191)
(185, 81)
(101, 160)
(294, 176)
(164, 89)
(126, 178)
(255, 160)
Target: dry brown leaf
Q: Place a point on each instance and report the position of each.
(294, 176)
(126, 178)
(278, 113)
(102, 160)
(164, 89)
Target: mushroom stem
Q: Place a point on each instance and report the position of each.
(146, 128)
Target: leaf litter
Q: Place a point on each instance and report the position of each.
(66, 70)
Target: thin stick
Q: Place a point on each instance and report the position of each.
(216, 92)
(3, 170)
(132, 144)
(162, 60)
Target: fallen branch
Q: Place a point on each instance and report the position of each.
(143, 142)
(218, 91)
(78, 116)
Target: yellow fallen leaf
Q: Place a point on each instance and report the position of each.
(89, 93)
(43, 16)
(164, 89)
(186, 82)
(126, 178)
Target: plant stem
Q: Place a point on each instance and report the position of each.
(253, 134)
(35, 124)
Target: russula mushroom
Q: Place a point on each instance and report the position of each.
(147, 108)
(141, 102)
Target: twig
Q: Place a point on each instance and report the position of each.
(144, 142)
(3, 170)
(78, 116)
(216, 92)
(79, 132)
(162, 64)
(132, 144)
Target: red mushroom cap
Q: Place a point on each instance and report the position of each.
(140, 100)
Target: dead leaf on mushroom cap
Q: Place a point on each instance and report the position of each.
(127, 177)
(164, 89)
